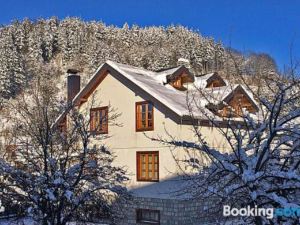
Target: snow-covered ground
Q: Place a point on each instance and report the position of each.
(29, 221)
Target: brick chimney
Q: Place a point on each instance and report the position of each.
(73, 84)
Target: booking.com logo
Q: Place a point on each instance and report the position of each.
(265, 212)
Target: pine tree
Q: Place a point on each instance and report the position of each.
(26, 45)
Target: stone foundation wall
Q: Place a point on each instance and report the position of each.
(172, 211)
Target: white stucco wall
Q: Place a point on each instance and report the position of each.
(125, 141)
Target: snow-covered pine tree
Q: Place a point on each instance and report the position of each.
(88, 44)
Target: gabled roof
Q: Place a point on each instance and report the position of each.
(173, 73)
(154, 84)
(219, 95)
(148, 81)
(202, 81)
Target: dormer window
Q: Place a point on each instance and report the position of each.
(177, 83)
(237, 103)
(215, 81)
(179, 78)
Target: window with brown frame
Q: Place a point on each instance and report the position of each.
(11, 155)
(62, 126)
(236, 105)
(177, 83)
(99, 120)
(215, 83)
(147, 216)
(11, 152)
(147, 166)
(144, 116)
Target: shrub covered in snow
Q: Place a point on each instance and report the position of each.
(57, 176)
(260, 167)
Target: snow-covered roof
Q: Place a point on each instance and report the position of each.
(155, 84)
(166, 94)
(161, 76)
(202, 81)
(218, 95)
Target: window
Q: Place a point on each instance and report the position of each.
(99, 120)
(215, 83)
(11, 152)
(177, 83)
(62, 126)
(144, 116)
(147, 216)
(11, 155)
(147, 166)
(237, 103)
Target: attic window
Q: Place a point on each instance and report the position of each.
(215, 81)
(177, 83)
(236, 104)
(180, 80)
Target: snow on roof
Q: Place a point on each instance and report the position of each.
(170, 97)
(201, 82)
(217, 95)
(154, 83)
(161, 76)
(132, 69)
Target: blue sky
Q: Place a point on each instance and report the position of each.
(270, 26)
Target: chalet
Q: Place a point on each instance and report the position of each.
(155, 104)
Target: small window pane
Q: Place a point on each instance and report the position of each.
(144, 116)
(99, 120)
(148, 164)
(144, 108)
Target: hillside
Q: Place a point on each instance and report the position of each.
(47, 47)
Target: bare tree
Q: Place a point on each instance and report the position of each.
(260, 166)
(58, 175)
